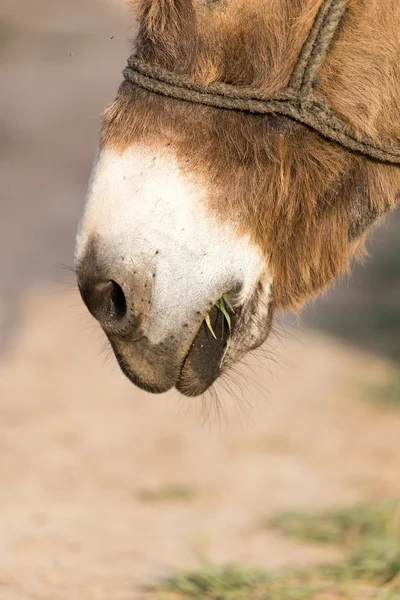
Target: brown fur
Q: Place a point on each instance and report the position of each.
(305, 201)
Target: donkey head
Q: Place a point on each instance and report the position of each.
(189, 204)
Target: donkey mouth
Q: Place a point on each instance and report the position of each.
(195, 373)
(205, 360)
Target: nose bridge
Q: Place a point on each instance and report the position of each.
(117, 292)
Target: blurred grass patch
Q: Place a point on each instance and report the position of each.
(375, 328)
(369, 536)
(231, 583)
(341, 527)
(168, 493)
(387, 393)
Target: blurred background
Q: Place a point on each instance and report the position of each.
(103, 488)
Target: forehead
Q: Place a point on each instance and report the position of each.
(243, 42)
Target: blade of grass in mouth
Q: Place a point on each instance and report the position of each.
(223, 304)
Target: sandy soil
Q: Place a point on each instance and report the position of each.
(104, 488)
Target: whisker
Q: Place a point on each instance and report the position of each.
(64, 267)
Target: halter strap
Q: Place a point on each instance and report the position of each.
(300, 101)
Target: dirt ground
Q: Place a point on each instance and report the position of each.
(103, 487)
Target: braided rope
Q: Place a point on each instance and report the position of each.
(300, 101)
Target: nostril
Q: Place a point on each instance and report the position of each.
(105, 300)
(118, 300)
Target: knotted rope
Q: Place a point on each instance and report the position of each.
(300, 101)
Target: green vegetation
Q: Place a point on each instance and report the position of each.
(224, 306)
(369, 536)
(340, 526)
(232, 583)
(210, 582)
(375, 328)
(388, 393)
(168, 493)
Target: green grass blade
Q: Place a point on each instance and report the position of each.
(222, 305)
(228, 303)
(226, 315)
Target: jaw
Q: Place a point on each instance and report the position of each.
(150, 226)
